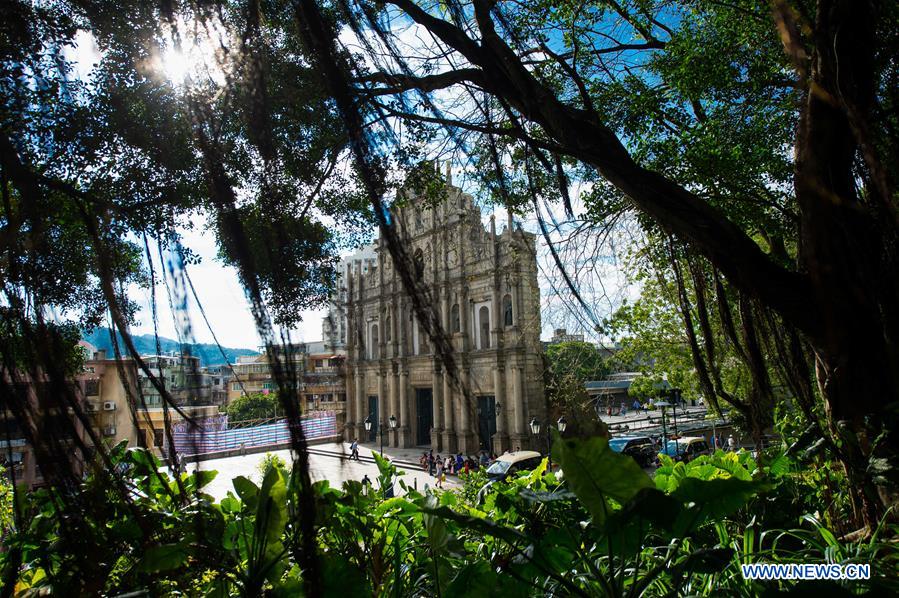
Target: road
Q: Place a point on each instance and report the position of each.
(322, 467)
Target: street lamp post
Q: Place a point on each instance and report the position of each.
(662, 405)
(676, 395)
(368, 423)
(535, 430)
(392, 422)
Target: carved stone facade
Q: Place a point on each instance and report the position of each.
(482, 288)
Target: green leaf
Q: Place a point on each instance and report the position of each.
(271, 513)
(595, 473)
(246, 490)
(163, 558)
(711, 499)
(204, 477)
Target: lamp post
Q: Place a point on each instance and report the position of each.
(676, 395)
(662, 405)
(535, 430)
(391, 421)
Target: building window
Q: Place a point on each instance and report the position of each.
(374, 342)
(419, 261)
(387, 333)
(268, 386)
(455, 323)
(158, 437)
(484, 323)
(319, 363)
(92, 388)
(507, 310)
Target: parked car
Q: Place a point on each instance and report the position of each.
(687, 448)
(641, 448)
(507, 465)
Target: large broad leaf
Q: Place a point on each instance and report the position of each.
(246, 490)
(483, 526)
(163, 558)
(595, 473)
(203, 477)
(711, 499)
(271, 518)
(626, 529)
(271, 512)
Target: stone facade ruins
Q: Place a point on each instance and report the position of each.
(483, 288)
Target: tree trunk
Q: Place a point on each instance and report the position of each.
(845, 245)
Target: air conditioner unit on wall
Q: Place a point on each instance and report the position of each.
(90, 407)
(109, 431)
(108, 405)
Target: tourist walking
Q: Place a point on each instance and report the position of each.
(354, 450)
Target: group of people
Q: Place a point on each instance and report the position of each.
(439, 466)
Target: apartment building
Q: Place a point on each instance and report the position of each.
(318, 370)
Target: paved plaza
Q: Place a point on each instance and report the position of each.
(324, 465)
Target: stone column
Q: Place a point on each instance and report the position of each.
(404, 429)
(519, 437)
(360, 405)
(516, 305)
(495, 307)
(449, 429)
(394, 405)
(350, 422)
(403, 330)
(383, 405)
(465, 438)
(501, 438)
(436, 392)
(395, 328)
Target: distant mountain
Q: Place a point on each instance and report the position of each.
(145, 344)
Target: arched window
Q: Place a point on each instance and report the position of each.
(388, 332)
(455, 324)
(484, 323)
(507, 310)
(374, 342)
(419, 263)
